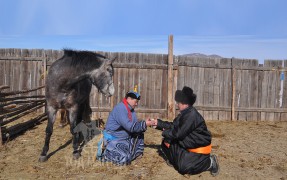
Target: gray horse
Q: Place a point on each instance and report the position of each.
(68, 86)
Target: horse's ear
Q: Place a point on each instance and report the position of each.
(111, 61)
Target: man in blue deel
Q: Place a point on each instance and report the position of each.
(124, 133)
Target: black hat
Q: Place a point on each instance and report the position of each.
(133, 95)
(185, 96)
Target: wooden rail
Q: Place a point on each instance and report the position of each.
(13, 106)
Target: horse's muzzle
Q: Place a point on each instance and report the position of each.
(111, 90)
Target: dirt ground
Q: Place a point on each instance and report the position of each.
(246, 150)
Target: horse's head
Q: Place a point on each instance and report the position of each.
(102, 77)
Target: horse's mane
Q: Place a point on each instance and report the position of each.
(84, 58)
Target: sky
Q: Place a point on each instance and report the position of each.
(249, 29)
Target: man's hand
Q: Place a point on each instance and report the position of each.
(148, 122)
(154, 122)
(151, 122)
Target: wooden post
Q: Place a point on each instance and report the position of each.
(175, 77)
(170, 101)
(44, 77)
(44, 69)
(1, 119)
(233, 91)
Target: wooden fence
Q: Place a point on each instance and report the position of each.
(15, 106)
(236, 89)
(227, 89)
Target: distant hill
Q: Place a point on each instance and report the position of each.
(202, 55)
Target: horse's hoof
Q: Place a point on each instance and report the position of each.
(76, 156)
(43, 158)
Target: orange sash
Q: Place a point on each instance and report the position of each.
(200, 150)
(166, 144)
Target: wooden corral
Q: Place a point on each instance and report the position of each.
(226, 88)
(14, 105)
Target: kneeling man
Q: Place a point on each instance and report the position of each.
(124, 133)
(186, 141)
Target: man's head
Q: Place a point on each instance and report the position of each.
(185, 98)
(133, 98)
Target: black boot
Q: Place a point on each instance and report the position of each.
(162, 154)
(214, 169)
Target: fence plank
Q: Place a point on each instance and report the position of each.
(8, 70)
(2, 72)
(164, 90)
(210, 86)
(171, 107)
(194, 79)
(181, 72)
(227, 90)
(216, 90)
(148, 88)
(284, 99)
(200, 95)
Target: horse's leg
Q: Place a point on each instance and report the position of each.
(84, 115)
(49, 130)
(87, 111)
(73, 116)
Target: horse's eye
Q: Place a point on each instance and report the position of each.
(110, 71)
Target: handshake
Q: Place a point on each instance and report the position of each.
(151, 122)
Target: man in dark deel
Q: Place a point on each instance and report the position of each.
(186, 141)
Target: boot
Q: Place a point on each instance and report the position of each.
(162, 154)
(214, 169)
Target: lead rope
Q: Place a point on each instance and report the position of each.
(99, 119)
(99, 113)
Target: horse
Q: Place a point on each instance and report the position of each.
(68, 86)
